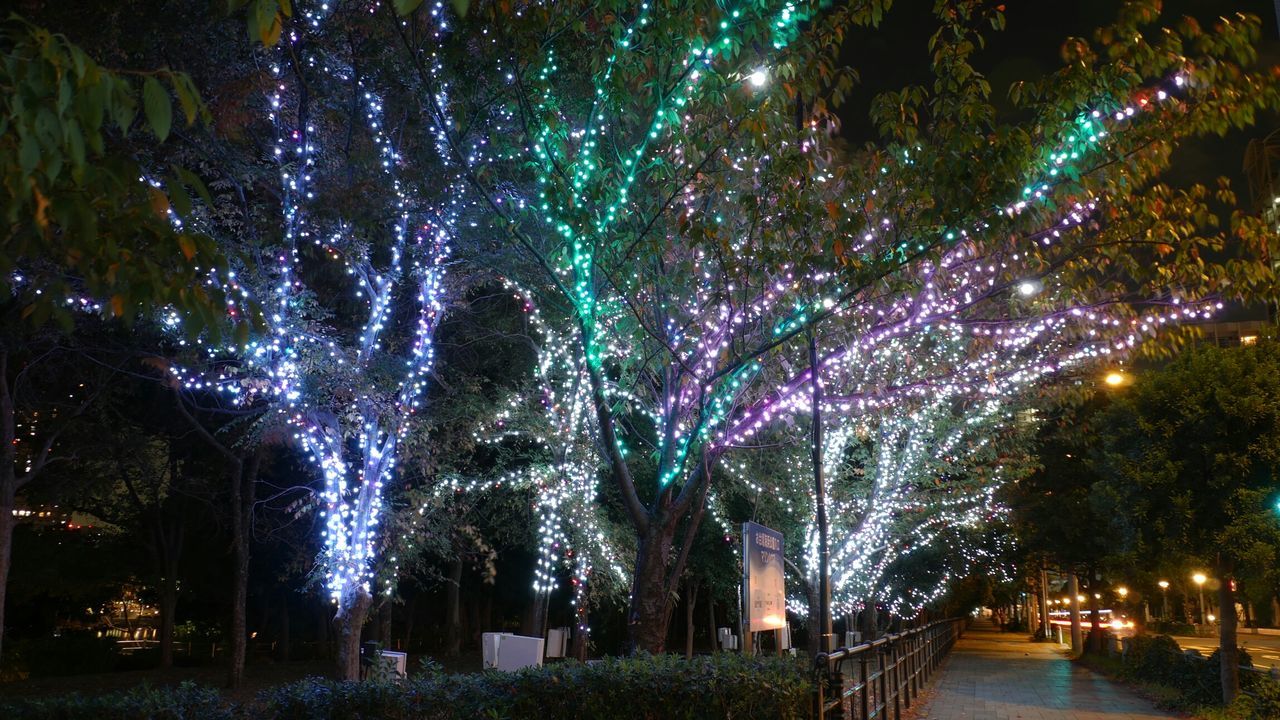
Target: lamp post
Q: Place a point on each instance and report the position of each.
(1199, 579)
(1164, 590)
(1123, 592)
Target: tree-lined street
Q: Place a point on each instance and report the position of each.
(679, 344)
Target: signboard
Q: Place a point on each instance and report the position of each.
(762, 577)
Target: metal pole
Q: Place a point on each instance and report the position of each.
(820, 495)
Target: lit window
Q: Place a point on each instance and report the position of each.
(1248, 339)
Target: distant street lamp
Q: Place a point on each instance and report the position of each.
(1116, 378)
(1164, 590)
(1199, 579)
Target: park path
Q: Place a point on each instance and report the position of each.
(991, 675)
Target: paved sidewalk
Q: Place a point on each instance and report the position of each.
(991, 675)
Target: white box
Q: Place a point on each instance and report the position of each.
(557, 642)
(519, 651)
(397, 661)
(489, 648)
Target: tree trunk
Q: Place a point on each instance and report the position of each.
(7, 524)
(384, 626)
(452, 619)
(168, 606)
(282, 641)
(581, 633)
(244, 478)
(813, 623)
(1095, 622)
(711, 622)
(870, 623)
(691, 599)
(1229, 653)
(650, 611)
(239, 600)
(353, 609)
(410, 615)
(1073, 590)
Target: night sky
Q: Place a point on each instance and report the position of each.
(897, 54)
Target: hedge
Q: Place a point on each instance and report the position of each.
(645, 688)
(663, 687)
(187, 701)
(1159, 660)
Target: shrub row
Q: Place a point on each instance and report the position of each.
(726, 686)
(187, 701)
(1160, 661)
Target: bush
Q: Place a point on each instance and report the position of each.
(184, 702)
(1198, 681)
(1156, 659)
(643, 688)
(71, 654)
(1262, 702)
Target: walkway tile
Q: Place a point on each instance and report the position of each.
(991, 675)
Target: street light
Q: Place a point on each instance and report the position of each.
(1199, 579)
(1164, 590)
(1115, 378)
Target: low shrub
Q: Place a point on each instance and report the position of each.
(1156, 659)
(1195, 681)
(644, 688)
(1261, 703)
(70, 654)
(661, 687)
(187, 701)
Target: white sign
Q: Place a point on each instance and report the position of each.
(766, 595)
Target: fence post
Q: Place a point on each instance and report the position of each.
(896, 652)
(915, 666)
(820, 676)
(866, 685)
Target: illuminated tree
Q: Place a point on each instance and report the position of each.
(352, 289)
(666, 175)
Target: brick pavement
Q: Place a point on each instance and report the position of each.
(991, 675)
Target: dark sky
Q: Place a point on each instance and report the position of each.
(897, 54)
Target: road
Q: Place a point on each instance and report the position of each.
(1264, 649)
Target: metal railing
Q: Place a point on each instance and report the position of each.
(885, 676)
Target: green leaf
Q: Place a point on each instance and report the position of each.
(178, 197)
(156, 105)
(193, 181)
(29, 153)
(404, 7)
(189, 103)
(461, 7)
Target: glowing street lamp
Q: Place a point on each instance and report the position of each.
(1115, 378)
(1199, 579)
(1164, 590)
